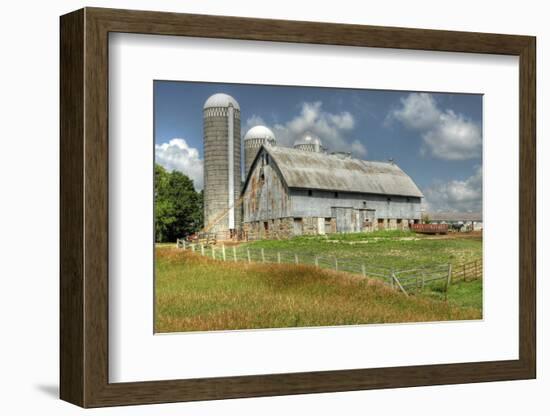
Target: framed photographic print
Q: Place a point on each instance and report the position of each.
(256, 207)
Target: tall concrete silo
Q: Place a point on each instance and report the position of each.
(309, 143)
(253, 140)
(222, 165)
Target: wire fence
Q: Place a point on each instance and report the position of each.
(408, 281)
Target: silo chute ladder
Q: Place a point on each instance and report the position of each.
(222, 215)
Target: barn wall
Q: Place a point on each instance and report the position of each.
(320, 204)
(265, 197)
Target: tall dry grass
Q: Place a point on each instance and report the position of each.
(195, 293)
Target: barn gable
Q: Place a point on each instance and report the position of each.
(265, 194)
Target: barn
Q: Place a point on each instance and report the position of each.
(466, 221)
(307, 191)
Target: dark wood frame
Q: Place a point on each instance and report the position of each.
(84, 208)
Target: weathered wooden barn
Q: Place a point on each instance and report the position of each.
(292, 192)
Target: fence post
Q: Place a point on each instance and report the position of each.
(278, 257)
(464, 272)
(448, 281)
(396, 280)
(234, 254)
(223, 251)
(423, 279)
(296, 258)
(248, 254)
(336, 263)
(316, 261)
(202, 249)
(193, 247)
(183, 243)
(391, 278)
(214, 252)
(263, 256)
(363, 271)
(177, 243)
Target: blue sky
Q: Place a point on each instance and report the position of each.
(435, 137)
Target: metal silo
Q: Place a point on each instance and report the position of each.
(253, 140)
(222, 165)
(309, 143)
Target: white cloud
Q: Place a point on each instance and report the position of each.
(358, 148)
(418, 111)
(332, 128)
(453, 138)
(455, 195)
(178, 155)
(445, 134)
(251, 122)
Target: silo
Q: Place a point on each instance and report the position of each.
(222, 165)
(253, 140)
(309, 143)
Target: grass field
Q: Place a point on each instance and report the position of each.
(195, 293)
(396, 249)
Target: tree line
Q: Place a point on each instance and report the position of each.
(178, 207)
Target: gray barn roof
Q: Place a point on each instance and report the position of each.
(310, 170)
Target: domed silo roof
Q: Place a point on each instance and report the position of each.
(259, 132)
(221, 100)
(308, 138)
(309, 142)
(254, 139)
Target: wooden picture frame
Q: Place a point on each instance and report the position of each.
(84, 207)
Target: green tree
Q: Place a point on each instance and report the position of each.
(178, 207)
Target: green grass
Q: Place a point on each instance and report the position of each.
(398, 250)
(393, 249)
(195, 293)
(466, 294)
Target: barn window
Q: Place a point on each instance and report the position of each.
(408, 199)
(389, 199)
(335, 194)
(364, 203)
(310, 193)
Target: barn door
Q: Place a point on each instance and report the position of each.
(298, 226)
(344, 221)
(369, 221)
(321, 226)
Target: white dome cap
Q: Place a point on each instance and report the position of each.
(221, 100)
(308, 138)
(259, 132)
